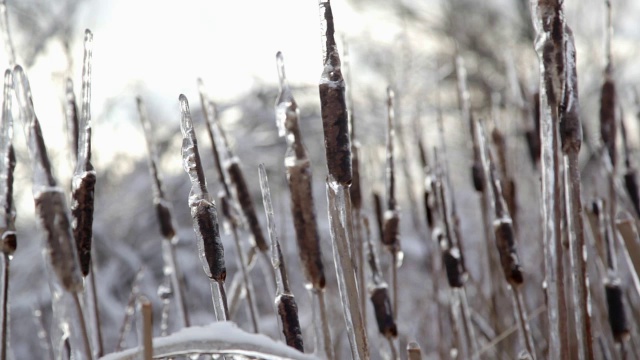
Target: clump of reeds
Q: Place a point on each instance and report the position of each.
(204, 215)
(299, 177)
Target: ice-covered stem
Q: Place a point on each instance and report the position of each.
(333, 105)
(7, 165)
(508, 183)
(129, 310)
(53, 215)
(379, 295)
(210, 113)
(164, 214)
(84, 177)
(203, 213)
(71, 117)
(571, 139)
(285, 301)
(339, 209)
(548, 20)
(6, 34)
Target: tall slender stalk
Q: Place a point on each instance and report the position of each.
(146, 327)
(571, 137)
(164, 213)
(285, 302)
(7, 209)
(298, 167)
(204, 215)
(548, 20)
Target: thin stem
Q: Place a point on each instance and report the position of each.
(523, 323)
(323, 344)
(147, 328)
(247, 280)
(394, 282)
(219, 297)
(83, 326)
(97, 328)
(5, 306)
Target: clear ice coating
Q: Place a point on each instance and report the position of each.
(203, 209)
(7, 164)
(71, 117)
(287, 115)
(84, 177)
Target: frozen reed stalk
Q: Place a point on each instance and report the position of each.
(204, 215)
(379, 295)
(413, 351)
(391, 225)
(548, 21)
(129, 310)
(71, 115)
(299, 177)
(285, 301)
(51, 208)
(571, 140)
(338, 152)
(84, 177)
(165, 219)
(146, 328)
(6, 34)
(7, 208)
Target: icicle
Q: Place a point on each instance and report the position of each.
(285, 302)
(164, 214)
(203, 213)
(299, 178)
(84, 178)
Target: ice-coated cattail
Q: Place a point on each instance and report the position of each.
(505, 241)
(84, 177)
(570, 125)
(7, 165)
(203, 209)
(391, 220)
(333, 105)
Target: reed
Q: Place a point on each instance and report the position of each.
(204, 215)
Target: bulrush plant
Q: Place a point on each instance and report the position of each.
(285, 302)
(53, 214)
(8, 236)
(338, 153)
(164, 214)
(204, 215)
(235, 178)
(299, 176)
(548, 20)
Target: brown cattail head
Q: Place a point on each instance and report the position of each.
(333, 105)
(304, 221)
(631, 183)
(355, 190)
(236, 178)
(377, 203)
(288, 313)
(505, 242)
(617, 315)
(608, 127)
(533, 135)
(570, 125)
(391, 230)
(82, 211)
(384, 312)
(452, 260)
(477, 175)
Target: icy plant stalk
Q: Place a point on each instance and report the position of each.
(379, 295)
(505, 238)
(285, 301)
(71, 117)
(391, 225)
(7, 209)
(165, 219)
(338, 152)
(51, 208)
(204, 214)
(299, 177)
(548, 20)
(571, 139)
(84, 177)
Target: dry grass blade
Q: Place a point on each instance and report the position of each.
(285, 302)
(333, 103)
(203, 213)
(84, 177)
